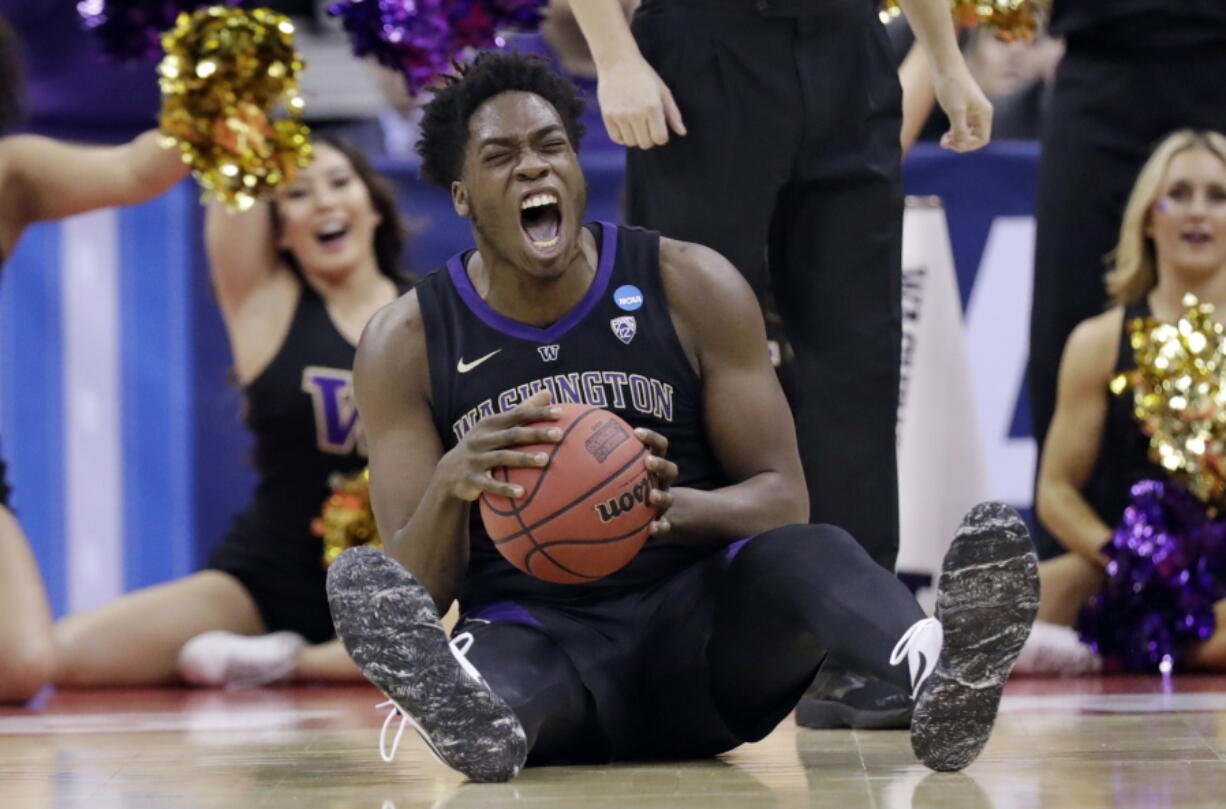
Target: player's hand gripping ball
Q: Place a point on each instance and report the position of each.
(587, 512)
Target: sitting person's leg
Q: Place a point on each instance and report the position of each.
(483, 701)
(808, 590)
(300, 644)
(729, 645)
(27, 657)
(790, 597)
(135, 640)
(534, 676)
(1069, 582)
(1054, 648)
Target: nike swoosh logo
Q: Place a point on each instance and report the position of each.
(464, 367)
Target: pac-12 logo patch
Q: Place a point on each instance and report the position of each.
(625, 328)
(628, 297)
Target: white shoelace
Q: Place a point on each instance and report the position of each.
(920, 646)
(459, 645)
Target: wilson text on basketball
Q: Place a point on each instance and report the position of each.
(615, 507)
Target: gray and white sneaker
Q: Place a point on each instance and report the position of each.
(987, 599)
(391, 629)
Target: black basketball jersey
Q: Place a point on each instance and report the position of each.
(616, 349)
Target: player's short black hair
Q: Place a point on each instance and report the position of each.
(444, 127)
(12, 79)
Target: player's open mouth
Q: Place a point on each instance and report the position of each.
(540, 216)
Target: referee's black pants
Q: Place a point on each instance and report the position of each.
(791, 171)
(1109, 109)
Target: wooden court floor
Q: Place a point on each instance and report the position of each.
(1080, 744)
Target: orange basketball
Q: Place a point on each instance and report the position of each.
(585, 514)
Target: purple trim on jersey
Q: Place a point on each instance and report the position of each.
(504, 324)
(505, 612)
(735, 548)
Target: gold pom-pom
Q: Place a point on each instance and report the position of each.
(224, 71)
(347, 519)
(1011, 19)
(1179, 397)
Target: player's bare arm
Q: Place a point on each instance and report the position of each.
(422, 495)
(747, 417)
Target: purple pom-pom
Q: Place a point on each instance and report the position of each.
(410, 36)
(1167, 570)
(421, 38)
(131, 30)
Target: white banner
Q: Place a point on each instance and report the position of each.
(941, 471)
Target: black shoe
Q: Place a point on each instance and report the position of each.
(390, 628)
(840, 699)
(987, 599)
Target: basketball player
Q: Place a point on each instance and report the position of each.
(705, 640)
(44, 179)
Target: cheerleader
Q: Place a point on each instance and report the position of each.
(1096, 457)
(296, 280)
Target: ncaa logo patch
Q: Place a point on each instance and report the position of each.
(625, 328)
(628, 297)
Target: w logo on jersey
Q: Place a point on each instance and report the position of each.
(548, 353)
(625, 328)
(337, 428)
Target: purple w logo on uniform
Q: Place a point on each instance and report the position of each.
(337, 429)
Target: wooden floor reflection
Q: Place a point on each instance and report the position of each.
(1083, 744)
